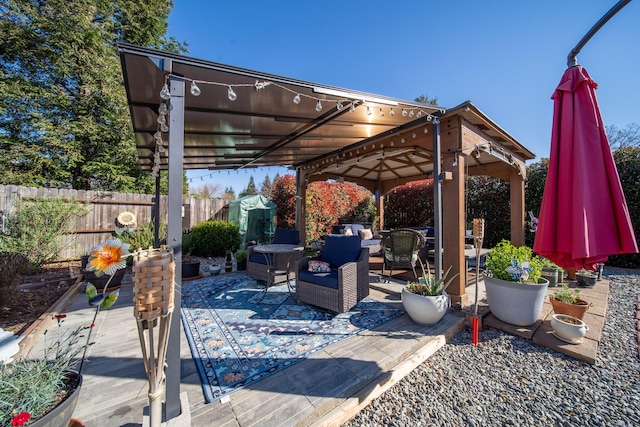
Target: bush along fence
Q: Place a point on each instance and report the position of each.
(105, 211)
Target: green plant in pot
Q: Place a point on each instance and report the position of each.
(241, 259)
(426, 301)
(43, 391)
(567, 301)
(586, 279)
(190, 264)
(514, 284)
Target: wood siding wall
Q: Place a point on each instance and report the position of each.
(104, 207)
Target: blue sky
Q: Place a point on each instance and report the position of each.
(506, 56)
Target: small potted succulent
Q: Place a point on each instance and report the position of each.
(586, 279)
(426, 301)
(515, 287)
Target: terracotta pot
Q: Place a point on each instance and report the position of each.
(578, 309)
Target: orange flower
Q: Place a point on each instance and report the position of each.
(108, 257)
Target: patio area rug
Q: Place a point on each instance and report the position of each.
(236, 341)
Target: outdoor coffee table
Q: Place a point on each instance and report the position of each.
(272, 253)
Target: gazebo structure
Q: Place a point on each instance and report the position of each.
(193, 114)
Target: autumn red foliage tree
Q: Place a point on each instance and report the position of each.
(327, 204)
(409, 205)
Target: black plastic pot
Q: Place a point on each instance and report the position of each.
(190, 269)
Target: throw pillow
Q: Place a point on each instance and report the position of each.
(319, 267)
(365, 234)
(347, 232)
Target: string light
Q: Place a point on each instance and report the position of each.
(391, 112)
(231, 94)
(165, 93)
(195, 90)
(296, 99)
(455, 159)
(319, 106)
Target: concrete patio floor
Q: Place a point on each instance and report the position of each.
(329, 388)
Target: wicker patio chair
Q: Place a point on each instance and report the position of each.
(346, 283)
(400, 249)
(257, 263)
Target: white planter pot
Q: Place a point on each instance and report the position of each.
(425, 310)
(569, 332)
(519, 304)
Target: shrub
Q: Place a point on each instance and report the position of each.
(36, 229)
(12, 266)
(214, 238)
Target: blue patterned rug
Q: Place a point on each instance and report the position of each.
(236, 342)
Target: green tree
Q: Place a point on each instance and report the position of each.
(424, 99)
(267, 187)
(64, 119)
(250, 190)
(229, 194)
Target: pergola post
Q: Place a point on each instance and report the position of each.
(174, 239)
(454, 223)
(516, 196)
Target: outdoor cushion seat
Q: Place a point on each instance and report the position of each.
(257, 262)
(346, 283)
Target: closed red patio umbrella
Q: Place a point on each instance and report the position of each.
(584, 216)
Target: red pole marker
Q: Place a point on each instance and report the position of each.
(474, 331)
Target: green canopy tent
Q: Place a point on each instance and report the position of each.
(254, 215)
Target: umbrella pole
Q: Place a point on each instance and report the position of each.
(572, 59)
(478, 236)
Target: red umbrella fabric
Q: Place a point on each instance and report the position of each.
(584, 216)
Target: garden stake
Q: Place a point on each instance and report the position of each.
(153, 290)
(478, 235)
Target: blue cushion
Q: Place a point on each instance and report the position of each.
(330, 280)
(259, 258)
(339, 250)
(286, 236)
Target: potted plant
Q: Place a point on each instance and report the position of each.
(586, 279)
(241, 259)
(190, 264)
(426, 301)
(514, 284)
(568, 328)
(44, 391)
(551, 272)
(567, 301)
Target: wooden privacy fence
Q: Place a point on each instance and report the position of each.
(104, 208)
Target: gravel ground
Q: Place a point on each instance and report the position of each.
(509, 381)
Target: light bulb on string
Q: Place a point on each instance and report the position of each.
(231, 94)
(411, 113)
(161, 119)
(455, 159)
(157, 135)
(319, 106)
(381, 113)
(165, 93)
(391, 112)
(426, 130)
(195, 90)
(162, 109)
(404, 113)
(296, 99)
(164, 127)
(368, 110)
(352, 108)
(477, 153)
(339, 105)
(419, 113)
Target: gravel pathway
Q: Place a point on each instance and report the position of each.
(509, 381)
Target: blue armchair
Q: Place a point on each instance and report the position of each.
(345, 284)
